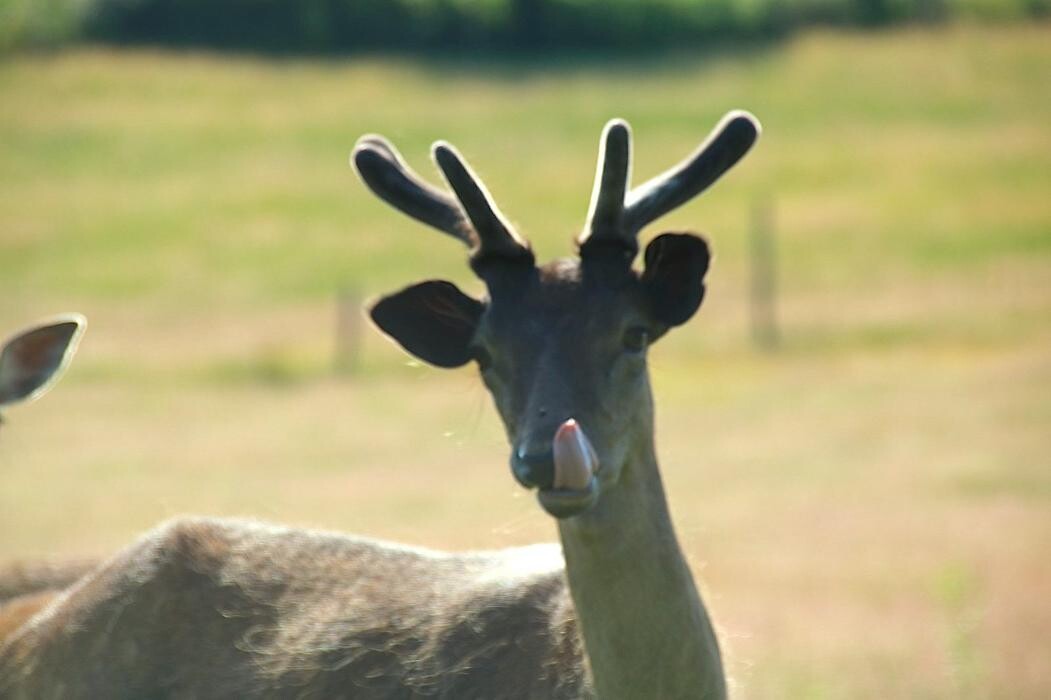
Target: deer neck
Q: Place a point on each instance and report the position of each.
(646, 631)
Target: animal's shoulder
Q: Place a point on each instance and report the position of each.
(236, 551)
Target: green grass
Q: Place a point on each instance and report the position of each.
(869, 508)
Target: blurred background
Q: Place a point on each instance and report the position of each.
(855, 430)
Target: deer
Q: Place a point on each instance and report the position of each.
(31, 361)
(217, 608)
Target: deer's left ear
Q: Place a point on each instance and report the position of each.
(674, 276)
(433, 320)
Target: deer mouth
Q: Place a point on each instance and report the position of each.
(575, 487)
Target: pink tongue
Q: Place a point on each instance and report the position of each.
(574, 458)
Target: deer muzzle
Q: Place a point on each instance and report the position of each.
(575, 459)
(574, 488)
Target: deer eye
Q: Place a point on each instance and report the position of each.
(482, 357)
(636, 339)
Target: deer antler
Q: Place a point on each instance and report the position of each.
(383, 170)
(617, 215)
(470, 216)
(496, 238)
(605, 222)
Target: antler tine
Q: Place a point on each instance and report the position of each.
(728, 142)
(612, 175)
(383, 170)
(496, 238)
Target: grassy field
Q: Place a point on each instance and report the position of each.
(869, 508)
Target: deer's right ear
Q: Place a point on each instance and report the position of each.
(674, 276)
(432, 320)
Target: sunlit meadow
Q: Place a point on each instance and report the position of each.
(868, 507)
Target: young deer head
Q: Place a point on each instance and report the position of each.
(32, 360)
(561, 347)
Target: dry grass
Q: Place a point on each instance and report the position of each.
(868, 508)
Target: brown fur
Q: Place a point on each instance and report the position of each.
(17, 611)
(220, 608)
(21, 578)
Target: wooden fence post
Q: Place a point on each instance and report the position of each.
(348, 331)
(765, 331)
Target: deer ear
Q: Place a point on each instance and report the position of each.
(432, 320)
(674, 276)
(31, 361)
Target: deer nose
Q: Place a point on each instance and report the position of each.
(534, 469)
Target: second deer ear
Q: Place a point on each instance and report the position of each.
(32, 361)
(432, 320)
(674, 276)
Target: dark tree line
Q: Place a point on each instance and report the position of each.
(345, 26)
